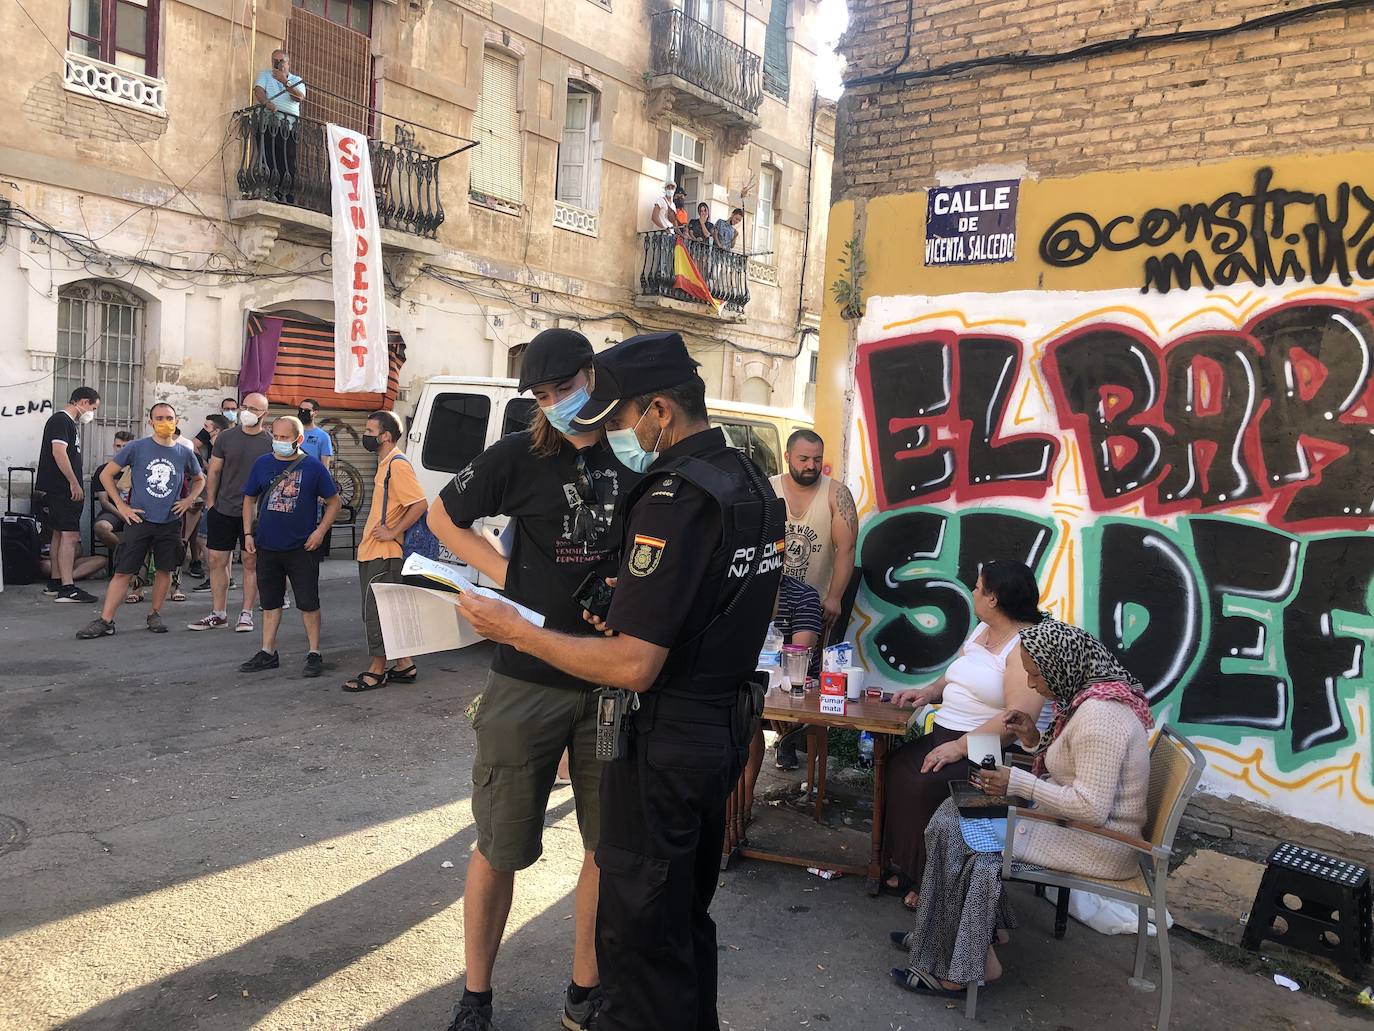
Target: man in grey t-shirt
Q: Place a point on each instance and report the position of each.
(231, 459)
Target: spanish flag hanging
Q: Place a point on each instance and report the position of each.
(688, 278)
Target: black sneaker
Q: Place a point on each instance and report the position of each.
(314, 664)
(52, 588)
(95, 628)
(260, 662)
(196, 569)
(471, 1016)
(201, 587)
(73, 593)
(581, 1016)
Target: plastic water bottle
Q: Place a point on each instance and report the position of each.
(866, 748)
(772, 648)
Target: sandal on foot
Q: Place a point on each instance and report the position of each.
(178, 595)
(909, 905)
(365, 681)
(403, 676)
(133, 598)
(921, 983)
(903, 940)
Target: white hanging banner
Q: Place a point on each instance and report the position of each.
(360, 351)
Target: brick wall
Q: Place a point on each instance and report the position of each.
(1307, 85)
(54, 109)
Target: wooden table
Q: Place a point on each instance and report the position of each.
(881, 719)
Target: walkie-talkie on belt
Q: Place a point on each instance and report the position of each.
(613, 705)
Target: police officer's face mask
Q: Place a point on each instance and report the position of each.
(628, 449)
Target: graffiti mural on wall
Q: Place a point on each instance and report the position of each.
(1190, 475)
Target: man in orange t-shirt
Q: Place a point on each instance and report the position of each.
(380, 555)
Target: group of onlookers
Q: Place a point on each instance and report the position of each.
(670, 213)
(243, 485)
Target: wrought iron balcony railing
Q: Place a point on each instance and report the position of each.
(283, 159)
(685, 47)
(725, 272)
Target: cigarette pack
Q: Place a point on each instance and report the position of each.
(833, 693)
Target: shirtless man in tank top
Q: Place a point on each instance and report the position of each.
(822, 524)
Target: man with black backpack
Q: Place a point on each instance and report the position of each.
(398, 503)
(281, 499)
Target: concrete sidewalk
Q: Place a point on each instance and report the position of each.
(196, 849)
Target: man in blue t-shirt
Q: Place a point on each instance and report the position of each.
(158, 467)
(279, 93)
(282, 496)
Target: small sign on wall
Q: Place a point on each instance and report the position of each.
(972, 224)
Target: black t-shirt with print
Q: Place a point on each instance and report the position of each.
(50, 479)
(546, 565)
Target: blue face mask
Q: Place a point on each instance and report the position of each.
(560, 414)
(628, 449)
(283, 448)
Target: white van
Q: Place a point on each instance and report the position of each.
(458, 417)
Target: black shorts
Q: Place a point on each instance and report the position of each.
(222, 532)
(64, 514)
(115, 522)
(162, 539)
(299, 566)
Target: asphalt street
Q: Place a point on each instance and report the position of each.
(185, 848)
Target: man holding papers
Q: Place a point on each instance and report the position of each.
(701, 558)
(559, 486)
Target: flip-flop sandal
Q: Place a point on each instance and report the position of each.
(403, 676)
(902, 939)
(921, 983)
(366, 681)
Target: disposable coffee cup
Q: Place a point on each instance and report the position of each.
(854, 688)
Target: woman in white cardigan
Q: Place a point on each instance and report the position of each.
(1092, 766)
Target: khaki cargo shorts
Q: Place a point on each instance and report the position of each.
(522, 729)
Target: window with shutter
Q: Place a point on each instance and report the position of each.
(763, 216)
(336, 63)
(579, 167)
(777, 57)
(496, 173)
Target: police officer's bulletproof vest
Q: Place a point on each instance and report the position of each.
(717, 660)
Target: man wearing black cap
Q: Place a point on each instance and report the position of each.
(559, 486)
(694, 592)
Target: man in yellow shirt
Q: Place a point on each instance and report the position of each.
(398, 502)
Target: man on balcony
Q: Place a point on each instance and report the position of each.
(280, 92)
(664, 215)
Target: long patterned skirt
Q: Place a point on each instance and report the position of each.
(962, 903)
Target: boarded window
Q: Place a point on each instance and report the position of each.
(777, 57)
(496, 171)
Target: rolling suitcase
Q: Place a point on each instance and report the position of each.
(19, 542)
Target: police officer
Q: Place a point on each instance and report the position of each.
(695, 589)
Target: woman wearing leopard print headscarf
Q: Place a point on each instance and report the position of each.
(1096, 769)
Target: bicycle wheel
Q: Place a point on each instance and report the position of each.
(349, 482)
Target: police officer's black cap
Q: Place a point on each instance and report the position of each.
(553, 356)
(633, 368)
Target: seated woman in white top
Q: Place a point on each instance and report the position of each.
(979, 686)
